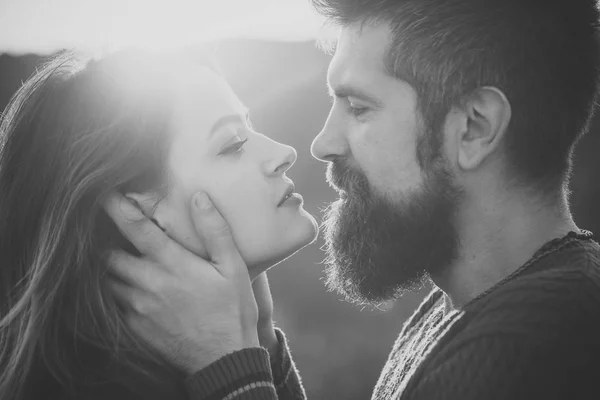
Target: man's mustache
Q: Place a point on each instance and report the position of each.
(342, 177)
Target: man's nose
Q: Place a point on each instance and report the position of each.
(330, 143)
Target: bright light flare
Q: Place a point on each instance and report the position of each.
(44, 26)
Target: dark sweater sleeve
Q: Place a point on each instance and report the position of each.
(242, 375)
(531, 342)
(249, 374)
(286, 378)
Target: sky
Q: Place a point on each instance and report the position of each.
(43, 26)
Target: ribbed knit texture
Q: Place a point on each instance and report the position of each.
(249, 374)
(242, 375)
(286, 378)
(536, 336)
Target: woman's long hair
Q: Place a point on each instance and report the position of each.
(75, 131)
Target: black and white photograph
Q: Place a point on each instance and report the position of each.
(299, 200)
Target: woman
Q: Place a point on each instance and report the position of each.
(157, 130)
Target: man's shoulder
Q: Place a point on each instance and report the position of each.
(560, 290)
(559, 274)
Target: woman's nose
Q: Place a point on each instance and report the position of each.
(282, 157)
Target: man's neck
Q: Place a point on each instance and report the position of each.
(496, 241)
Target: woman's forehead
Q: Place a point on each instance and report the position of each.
(203, 87)
(203, 97)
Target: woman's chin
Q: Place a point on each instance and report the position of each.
(258, 267)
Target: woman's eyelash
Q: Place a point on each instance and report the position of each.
(235, 148)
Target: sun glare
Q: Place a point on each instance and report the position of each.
(39, 25)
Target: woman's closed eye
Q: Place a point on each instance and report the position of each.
(236, 147)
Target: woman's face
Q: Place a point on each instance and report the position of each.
(214, 149)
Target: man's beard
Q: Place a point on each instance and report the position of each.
(378, 248)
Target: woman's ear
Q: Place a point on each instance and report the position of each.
(149, 204)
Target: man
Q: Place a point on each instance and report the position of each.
(450, 142)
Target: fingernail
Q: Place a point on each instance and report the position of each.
(133, 201)
(130, 207)
(202, 201)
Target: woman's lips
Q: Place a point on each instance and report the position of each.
(292, 199)
(287, 193)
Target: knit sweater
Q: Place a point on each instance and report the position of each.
(536, 336)
(249, 375)
(254, 369)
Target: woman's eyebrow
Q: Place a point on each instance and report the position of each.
(226, 120)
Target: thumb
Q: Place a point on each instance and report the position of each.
(214, 232)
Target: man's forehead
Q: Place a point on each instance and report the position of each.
(360, 53)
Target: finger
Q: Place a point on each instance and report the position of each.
(140, 273)
(132, 318)
(261, 282)
(262, 291)
(215, 233)
(149, 239)
(128, 297)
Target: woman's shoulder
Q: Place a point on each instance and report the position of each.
(42, 385)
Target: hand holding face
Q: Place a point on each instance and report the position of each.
(191, 310)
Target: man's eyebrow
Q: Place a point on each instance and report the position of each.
(240, 119)
(343, 91)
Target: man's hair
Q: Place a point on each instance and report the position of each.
(543, 55)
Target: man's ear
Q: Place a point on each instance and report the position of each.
(149, 204)
(485, 114)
